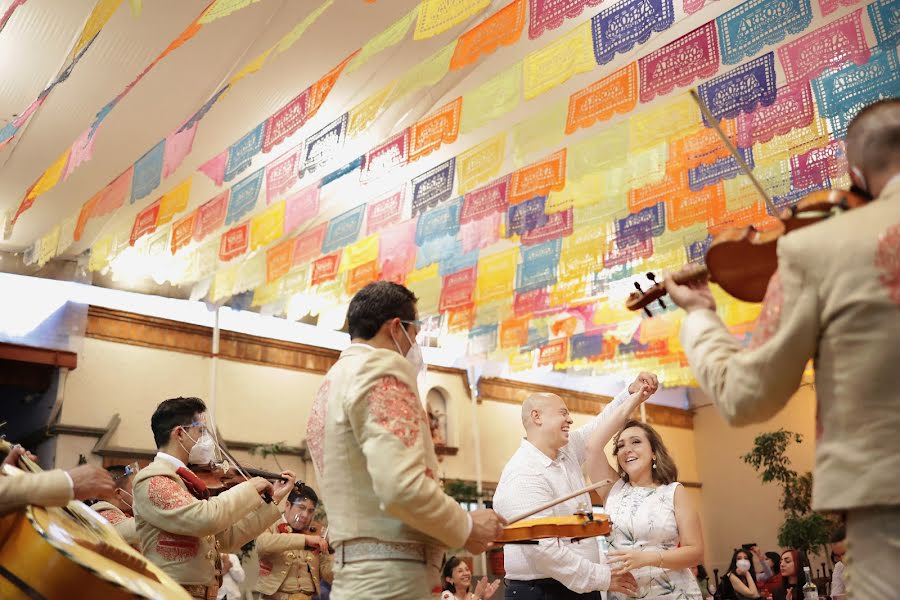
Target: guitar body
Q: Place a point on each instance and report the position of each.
(45, 553)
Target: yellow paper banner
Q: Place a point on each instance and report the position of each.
(609, 147)
(100, 254)
(428, 291)
(391, 36)
(648, 165)
(437, 16)
(492, 99)
(50, 177)
(425, 74)
(548, 67)
(223, 283)
(174, 201)
(297, 32)
(496, 275)
(103, 10)
(794, 142)
(419, 275)
(359, 253)
(521, 362)
(251, 67)
(49, 243)
(268, 293)
(267, 226)
(223, 8)
(251, 273)
(363, 114)
(480, 164)
(541, 132)
(680, 116)
(568, 291)
(582, 252)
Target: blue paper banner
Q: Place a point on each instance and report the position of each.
(243, 196)
(649, 222)
(539, 266)
(526, 216)
(696, 251)
(435, 250)
(741, 89)
(839, 122)
(345, 170)
(482, 339)
(343, 229)
(626, 23)
(632, 346)
(885, 18)
(744, 30)
(457, 260)
(438, 223)
(241, 153)
(585, 345)
(838, 90)
(725, 168)
(433, 187)
(796, 195)
(147, 172)
(324, 144)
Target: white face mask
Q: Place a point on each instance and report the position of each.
(415, 358)
(743, 563)
(203, 451)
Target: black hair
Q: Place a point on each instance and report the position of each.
(452, 563)
(304, 493)
(726, 587)
(701, 572)
(119, 474)
(376, 304)
(172, 413)
(776, 561)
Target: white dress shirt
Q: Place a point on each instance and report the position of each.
(232, 580)
(531, 478)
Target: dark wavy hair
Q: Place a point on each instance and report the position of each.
(726, 587)
(665, 472)
(447, 571)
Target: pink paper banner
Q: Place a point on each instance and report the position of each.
(178, 146)
(481, 233)
(551, 14)
(384, 212)
(114, 194)
(693, 56)
(484, 201)
(692, 6)
(793, 108)
(829, 6)
(211, 215)
(281, 175)
(301, 207)
(285, 122)
(531, 302)
(397, 250)
(815, 167)
(830, 46)
(82, 151)
(458, 290)
(383, 159)
(214, 168)
(309, 244)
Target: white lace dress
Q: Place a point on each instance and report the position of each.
(644, 519)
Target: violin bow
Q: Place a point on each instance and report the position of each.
(559, 500)
(714, 123)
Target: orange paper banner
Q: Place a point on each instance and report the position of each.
(614, 94)
(362, 275)
(691, 208)
(460, 320)
(427, 134)
(674, 184)
(703, 146)
(279, 260)
(513, 333)
(503, 28)
(320, 89)
(538, 179)
(183, 232)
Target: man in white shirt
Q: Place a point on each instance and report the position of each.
(548, 465)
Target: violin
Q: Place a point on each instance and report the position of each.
(221, 477)
(578, 526)
(742, 260)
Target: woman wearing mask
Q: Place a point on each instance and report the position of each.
(739, 582)
(792, 577)
(457, 580)
(656, 531)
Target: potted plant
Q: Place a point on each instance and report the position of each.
(803, 529)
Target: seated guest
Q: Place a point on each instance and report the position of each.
(740, 579)
(838, 549)
(292, 561)
(703, 582)
(792, 577)
(457, 580)
(18, 489)
(115, 508)
(181, 529)
(770, 578)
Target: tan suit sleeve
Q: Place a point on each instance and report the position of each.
(248, 528)
(326, 567)
(127, 529)
(751, 385)
(273, 543)
(388, 421)
(166, 505)
(48, 488)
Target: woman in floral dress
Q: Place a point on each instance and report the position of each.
(656, 531)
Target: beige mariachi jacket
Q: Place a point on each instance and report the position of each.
(19, 489)
(183, 535)
(370, 442)
(282, 553)
(122, 522)
(835, 299)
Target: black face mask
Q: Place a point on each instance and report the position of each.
(861, 192)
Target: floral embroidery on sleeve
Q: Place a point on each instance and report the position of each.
(315, 427)
(166, 494)
(887, 260)
(769, 318)
(396, 408)
(172, 546)
(113, 516)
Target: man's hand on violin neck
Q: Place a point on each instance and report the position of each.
(263, 485)
(283, 488)
(691, 296)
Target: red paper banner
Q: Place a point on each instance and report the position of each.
(484, 201)
(556, 351)
(285, 122)
(325, 268)
(144, 222)
(211, 215)
(281, 175)
(458, 290)
(531, 302)
(309, 244)
(385, 157)
(234, 242)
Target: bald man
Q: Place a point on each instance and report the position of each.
(547, 466)
(835, 298)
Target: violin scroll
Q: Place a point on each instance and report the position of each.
(642, 299)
